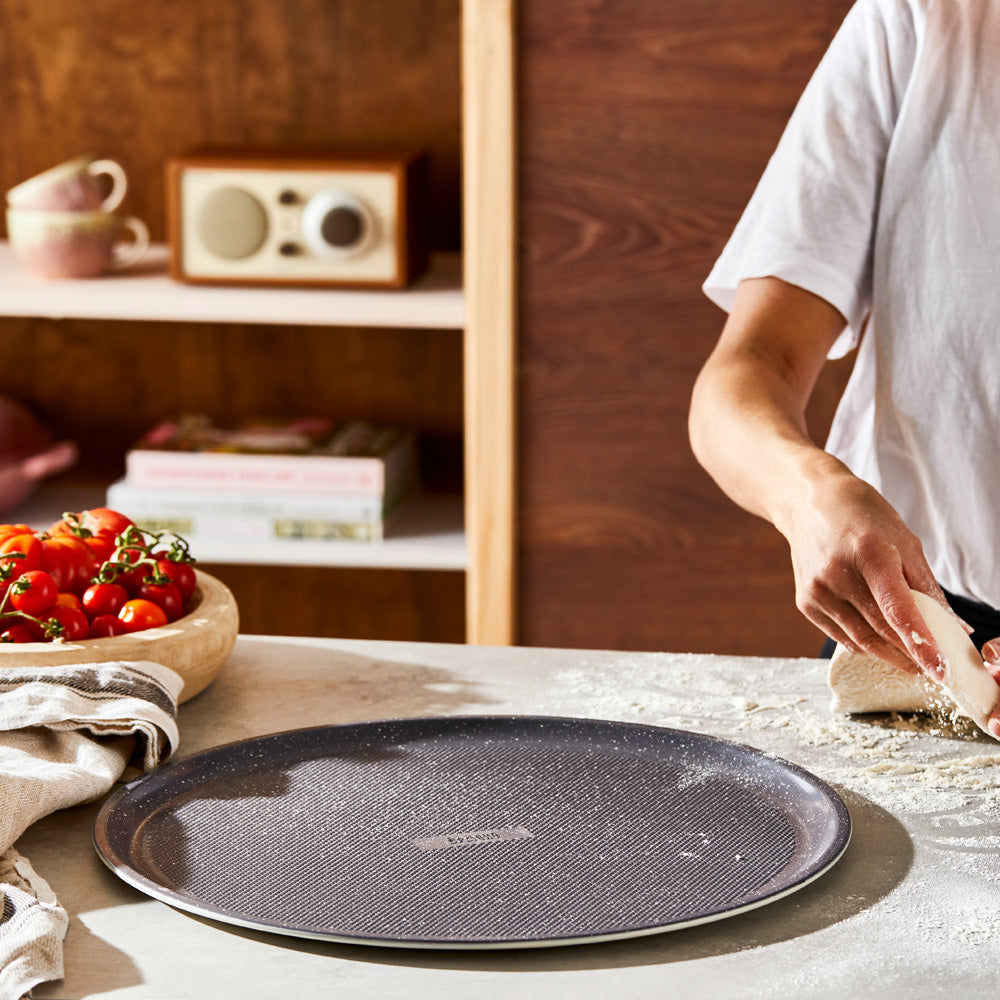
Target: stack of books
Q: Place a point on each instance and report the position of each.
(267, 480)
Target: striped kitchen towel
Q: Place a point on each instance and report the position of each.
(67, 734)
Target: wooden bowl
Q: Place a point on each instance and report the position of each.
(195, 646)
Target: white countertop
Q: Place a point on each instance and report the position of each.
(911, 909)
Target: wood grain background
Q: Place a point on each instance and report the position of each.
(644, 127)
(141, 82)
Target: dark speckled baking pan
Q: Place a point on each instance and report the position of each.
(473, 832)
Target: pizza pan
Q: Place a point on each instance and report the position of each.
(473, 832)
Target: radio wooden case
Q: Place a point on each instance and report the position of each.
(347, 219)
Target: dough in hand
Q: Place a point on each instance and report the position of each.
(863, 683)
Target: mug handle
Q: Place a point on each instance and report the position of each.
(119, 182)
(125, 254)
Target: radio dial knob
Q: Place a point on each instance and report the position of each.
(342, 226)
(337, 224)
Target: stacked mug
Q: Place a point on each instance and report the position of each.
(61, 224)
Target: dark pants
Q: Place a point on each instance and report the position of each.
(985, 622)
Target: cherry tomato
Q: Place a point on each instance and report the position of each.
(75, 624)
(28, 545)
(70, 561)
(131, 579)
(18, 632)
(6, 530)
(105, 626)
(33, 592)
(67, 600)
(166, 595)
(138, 615)
(103, 599)
(182, 575)
(98, 527)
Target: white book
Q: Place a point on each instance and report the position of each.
(253, 516)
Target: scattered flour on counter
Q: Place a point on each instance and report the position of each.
(913, 763)
(969, 772)
(940, 777)
(904, 763)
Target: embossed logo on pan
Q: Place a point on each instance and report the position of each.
(472, 837)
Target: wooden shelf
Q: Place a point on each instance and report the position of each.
(146, 292)
(425, 534)
(473, 294)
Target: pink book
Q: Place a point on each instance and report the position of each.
(302, 456)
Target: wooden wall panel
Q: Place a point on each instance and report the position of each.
(643, 129)
(140, 82)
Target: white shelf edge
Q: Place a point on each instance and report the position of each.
(146, 292)
(425, 534)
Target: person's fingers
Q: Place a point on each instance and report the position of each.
(991, 657)
(873, 606)
(895, 602)
(850, 630)
(923, 580)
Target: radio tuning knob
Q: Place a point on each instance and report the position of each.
(342, 226)
(337, 224)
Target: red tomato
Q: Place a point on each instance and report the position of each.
(138, 615)
(6, 530)
(182, 575)
(66, 600)
(18, 632)
(98, 527)
(104, 599)
(75, 624)
(105, 626)
(33, 592)
(70, 561)
(166, 595)
(28, 545)
(131, 579)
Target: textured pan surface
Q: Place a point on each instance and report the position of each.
(475, 832)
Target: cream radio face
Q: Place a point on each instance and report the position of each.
(301, 225)
(352, 218)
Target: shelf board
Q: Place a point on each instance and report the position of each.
(146, 292)
(425, 534)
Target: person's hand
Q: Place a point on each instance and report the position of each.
(991, 657)
(855, 563)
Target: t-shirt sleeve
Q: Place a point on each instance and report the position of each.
(812, 217)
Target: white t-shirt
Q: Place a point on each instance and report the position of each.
(883, 197)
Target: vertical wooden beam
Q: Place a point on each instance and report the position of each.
(488, 140)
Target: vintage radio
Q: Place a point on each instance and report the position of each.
(349, 220)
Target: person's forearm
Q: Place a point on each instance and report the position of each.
(747, 429)
(855, 562)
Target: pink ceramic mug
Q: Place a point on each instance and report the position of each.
(73, 186)
(74, 244)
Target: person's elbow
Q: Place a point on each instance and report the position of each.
(703, 412)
